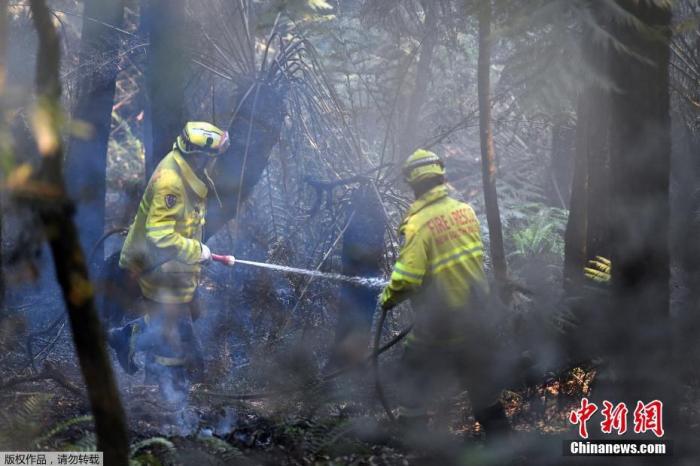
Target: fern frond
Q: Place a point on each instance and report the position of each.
(150, 442)
(221, 449)
(62, 426)
(86, 443)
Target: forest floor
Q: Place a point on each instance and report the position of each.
(323, 426)
(338, 423)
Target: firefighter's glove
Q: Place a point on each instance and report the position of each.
(598, 270)
(206, 254)
(384, 301)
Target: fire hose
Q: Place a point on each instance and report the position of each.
(375, 365)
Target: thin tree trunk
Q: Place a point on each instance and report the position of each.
(597, 148)
(363, 249)
(86, 161)
(576, 227)
(56, 212)
(488, 154)
(3, 44)
(416, 100)
(166, 71)
(598, 160)
(3, 74)
(588, 230)
(640, 167)
(561, 167)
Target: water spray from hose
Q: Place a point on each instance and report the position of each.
(370, 282)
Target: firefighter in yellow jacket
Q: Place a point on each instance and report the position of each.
(164, 252)
(441, 269)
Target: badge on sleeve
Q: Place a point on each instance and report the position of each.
(170, 200)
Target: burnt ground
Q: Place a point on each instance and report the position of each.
(212, 429)
(335, 423)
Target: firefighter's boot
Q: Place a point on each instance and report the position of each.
(150, 369)
(194, 360)
(172, 379)
(123, 341)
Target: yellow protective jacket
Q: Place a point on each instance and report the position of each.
(440, 266)
(164, 246)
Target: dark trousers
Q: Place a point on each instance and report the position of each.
(432, 373)
(166, 334)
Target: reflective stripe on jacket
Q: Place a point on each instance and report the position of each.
(163, 246)
(441, 263)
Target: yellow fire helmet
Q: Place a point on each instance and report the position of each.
(422, 164)
(202, 137)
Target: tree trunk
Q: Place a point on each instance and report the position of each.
(56, 212)
(588, 230)
(561, 167)
(576, 227)
(598, 160)
(416, 100)
(363, 250)
(488, 154)
(86, 162)
(685, 205)
(166, 71)
(597, 148)
(3, 74)
(639, 211)
(254, 132)
(685, 201)
(3, 44)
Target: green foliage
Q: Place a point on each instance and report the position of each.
(145, 458)
(541, 232)
(22, 426)
(88, 442)
(319, 5)
(321, 435)
(126, 155)
(62, 427)
(151, 442)
(223, 450)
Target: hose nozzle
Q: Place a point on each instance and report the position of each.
(226, 260)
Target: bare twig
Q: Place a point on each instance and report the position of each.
(47, 372)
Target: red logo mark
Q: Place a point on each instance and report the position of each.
(582, 415)
(615, 418)
(649, 417)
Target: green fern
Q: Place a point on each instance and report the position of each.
(86, 443)
(150, 442)
(321, 435)
(61, 427)
(221, 449)
(540, 232)
(146, 458)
